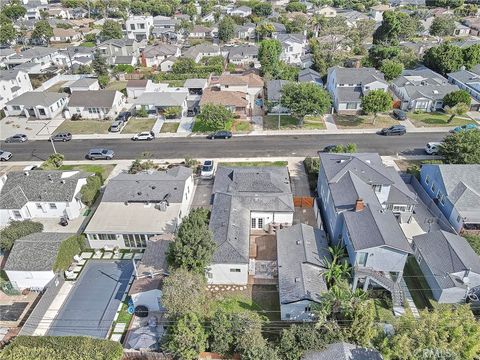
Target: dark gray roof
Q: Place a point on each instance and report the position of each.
(164, 98)
(446, 253)
(35, 52)
(343, 351)
(83, 82)
(274, 88)
(420, 76)
(195, 83)
(194, 51)
(238, 191)
(9, 74)
(93, 98)
(39, 186)
(373, 227)
(160, 50)
(242, 51)
(35, 252)
(351, 94)
(309, 75)
(356, 76)
(123, 60)
(151, 187)
(301, 250)
(35, 98)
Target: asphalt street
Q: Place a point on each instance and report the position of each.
(242, 146)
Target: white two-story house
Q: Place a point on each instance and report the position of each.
(347, 86)
(139, 27)
(12, 84)
(41, 194)
(293, 47)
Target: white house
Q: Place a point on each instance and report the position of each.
(84, 84)
(12, 84)
(41, 194)
(248, 204)
(35, 104)
(139, 27)
(30, 264)
(347, 86)
(96, 104)
(136, 88)
(241, 11)
(135, 207)
(162, 98)
(293, 47)
(42, 56)
(200, 51)
(302, 253)
(202, 32)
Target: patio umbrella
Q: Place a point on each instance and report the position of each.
(143, 338)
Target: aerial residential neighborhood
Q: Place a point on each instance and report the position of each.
(240, 179)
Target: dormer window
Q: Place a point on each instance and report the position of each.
(377, 188)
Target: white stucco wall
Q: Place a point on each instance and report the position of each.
(30, 279)
(296, 311)
(222, 274)
(151, 299)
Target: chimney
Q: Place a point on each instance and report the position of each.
(359, 205)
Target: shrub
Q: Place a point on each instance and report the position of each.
(16, 230)
(142, 112)
(68, 249)
(90, 190)
(311, 167)
(62, 347)
(173, 112)
(138, 166)
(53, 162)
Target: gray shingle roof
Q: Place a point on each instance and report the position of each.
(35, 252)
(93, 98)
(83, 82)
(195, 83)
(35, 98)
(446, 253)
(160, 50)
(39, 186)
(356, 76)
(309, 75)
(151, 187)
(343, 351)
(243, 51)
(274, 88)
(301, 250)
(238, 191)
(9, 74)
(164, 98)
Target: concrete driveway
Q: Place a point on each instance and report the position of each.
(203, 193)
(34, 129)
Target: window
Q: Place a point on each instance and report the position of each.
(362, 258)
(459, 218)
(434, 188)
(427, 180)
(209, 275)
(53, 206)
(17, 214)
(142, 26)
(16, 107)
(351, 105)
(260, 223)
(308, 309)
(41, 112)
(254, 223)
(132, 26)
(398, 208)
(235, 270)
(106, 237)
(39, 206)
(377, 188)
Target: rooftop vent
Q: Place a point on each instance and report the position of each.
(139, 193)
(298, 242)
(297, 279)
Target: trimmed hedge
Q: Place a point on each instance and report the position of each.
(16, 230)
(68, 249)
(90, 190)
(61, 347)
(312, 166)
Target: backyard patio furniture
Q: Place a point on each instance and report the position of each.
(143, 338)
(141, 311)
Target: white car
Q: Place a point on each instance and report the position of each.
(5, 155)
(146, 135)
(208, 169)
(432, 148)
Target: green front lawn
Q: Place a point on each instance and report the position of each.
(436, 119)
(170, 127)
(104, 170)
(314, 122)
(474, 241)
(88, 44)
(84, 126)
(363, 121)
(418, 286)
(136, 125)
(270, 122)
(255, 163)
(241, 126)
(200, 127)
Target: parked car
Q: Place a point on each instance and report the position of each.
(222, 134)
(394, 130)
(117, 126)
(124, 116)
(146, 135)
(329, 148)
(63, 136)
(30, 167)
(432, 148)
(94, 154)
(208, 169)
(399, 114)
(5, 155)
(20, 138)
(467, 127)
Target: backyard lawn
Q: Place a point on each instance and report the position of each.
(84, 127)
(270, 122)
(418, 286)
(363, 121)
(105, 170)
(88, 44)
(255, 163)
(136, 125)
(314, 122)
(474, 241)
(169, 127)
(116, 85)
(425, 119)
(173, 83)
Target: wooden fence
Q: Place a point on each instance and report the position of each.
(303, 201)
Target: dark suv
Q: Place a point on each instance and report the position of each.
(223, 134)
(394, 130)
(124, 116)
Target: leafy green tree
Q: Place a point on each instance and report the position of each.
(226, 29)
(184, 66)
(376, 101)
(297, 339)
(269, 55)
(296, 24)
(193, 247)
(443, 330)
(391, 69)
(14, 10)
(456, 97)
(265, 30)
(305, 99)
(444, 58)
(42, 32)
(214, 117)
(471, 56)
(17, 229)
(7, 33)
(221, 334)
(396, 26)
(103, 80)
(296, 6)
(111, 29)
(184, 292)
(99, 64)
(186, 338)
(54, 161)
(247, 330)
(262, 9)
(442, 26)
(90, 190)
(462, 148)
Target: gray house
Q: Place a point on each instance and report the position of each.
(310, 75)
(363, 202)
(274, 95)
(449, 264)
(343, 351)
(302, 251)
(468, 80)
